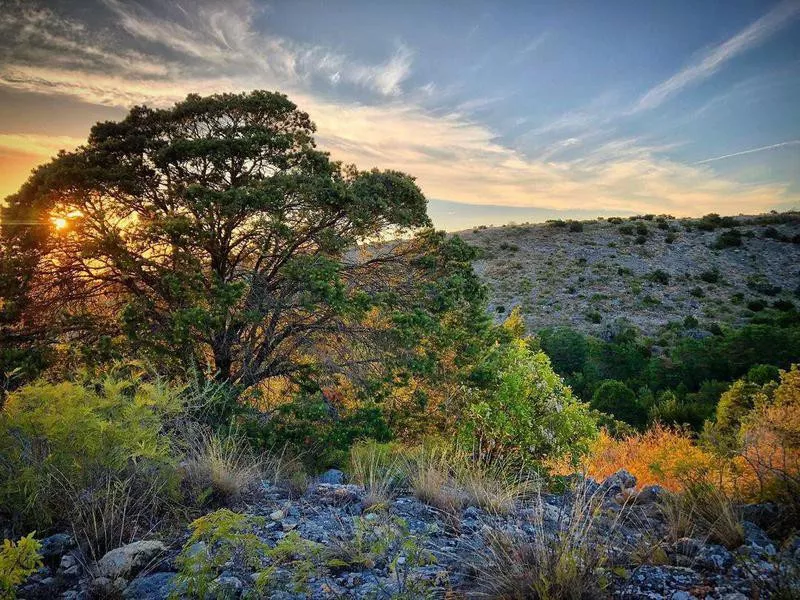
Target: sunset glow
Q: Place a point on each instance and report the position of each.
(549, 113)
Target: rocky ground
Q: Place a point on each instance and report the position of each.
(407, 549)
(653, 271)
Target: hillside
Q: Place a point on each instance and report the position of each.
(659, 273)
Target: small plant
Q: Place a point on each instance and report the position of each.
(18, 561)
(217, 539)
(659, 276)
(385, 541)
(575, 226)
(697, 292)
(221, 467)
(626, 230)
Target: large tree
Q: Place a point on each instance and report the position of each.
(215, 232)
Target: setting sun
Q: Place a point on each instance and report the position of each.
(60, 223)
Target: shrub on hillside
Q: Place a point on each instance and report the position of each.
(728, 239)
(520, 409)
(69, 440)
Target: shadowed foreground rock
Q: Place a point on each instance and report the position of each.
(436, 553)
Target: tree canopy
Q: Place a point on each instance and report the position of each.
(215, 232)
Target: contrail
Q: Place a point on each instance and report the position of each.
(751, 151)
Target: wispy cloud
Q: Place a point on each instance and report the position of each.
(453, 155)
(37, 145)
(750, 151)
(712, 60)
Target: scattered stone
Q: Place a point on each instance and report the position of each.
(157, 586)
(55, 546)
(332, 476)
(127, 561)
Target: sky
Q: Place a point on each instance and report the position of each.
(507, 111)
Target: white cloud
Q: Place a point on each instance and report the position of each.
(712, 60)
(453, 156)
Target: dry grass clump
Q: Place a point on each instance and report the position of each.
(566, 556)
(222, 467)
(430, 478)
(378, 467)
(495, 488)
(115, 509)
(703, 510)
(451, 480)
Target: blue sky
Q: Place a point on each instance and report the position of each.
(504, 111)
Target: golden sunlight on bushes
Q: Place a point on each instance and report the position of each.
(662, 455)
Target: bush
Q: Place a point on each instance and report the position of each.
(659, 276)
(18, 561)
(770, 436)
(567, 349)
(575, 226)
(661, 455)
(519, 408)
(710, 276)
(728, 239)
(763, 374)
(83, 435)
(318, 430)
(756, 305)
(617, 399)
(626, 230)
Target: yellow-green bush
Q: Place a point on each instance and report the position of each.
(71, 437)
(18, 561)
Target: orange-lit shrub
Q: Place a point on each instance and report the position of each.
(661, 455)
(770, 438)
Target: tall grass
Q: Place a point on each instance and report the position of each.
(443, 477)
(703, 510)
(222, 466)
(566, 556)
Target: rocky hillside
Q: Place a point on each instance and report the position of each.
(653, 271)
(332, 542)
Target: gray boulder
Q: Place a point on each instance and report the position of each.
(332, 476)
(157, 586)
(129, 560)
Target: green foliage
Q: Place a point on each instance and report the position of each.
(383, 541)
(615, 398)
(80, 434)
(567, 348)
(659, 276)
(728, 239)
(762, 374)
(520, 409)
(18, 561)
(217, 539)
(317, 430)
(735, 403)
